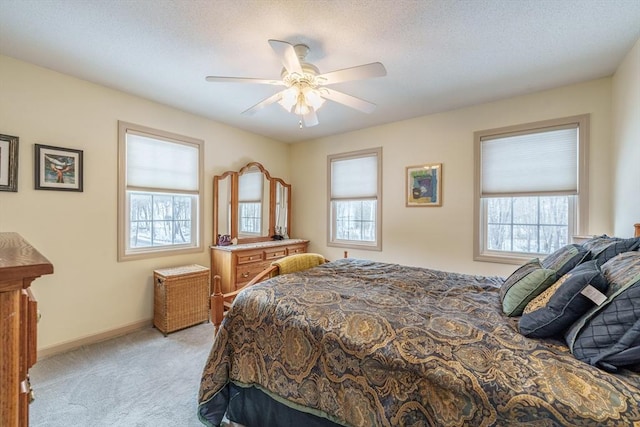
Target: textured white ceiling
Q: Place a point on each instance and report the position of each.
(439, 54)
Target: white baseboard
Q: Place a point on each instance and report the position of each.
(92, 339)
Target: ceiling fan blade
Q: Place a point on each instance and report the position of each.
(348, 100)
(367, 71)
(287, 55)
(310, 119)
(268, 101)
(220, 79)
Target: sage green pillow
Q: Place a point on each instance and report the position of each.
(523, 285)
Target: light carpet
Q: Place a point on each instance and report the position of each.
(140, 379)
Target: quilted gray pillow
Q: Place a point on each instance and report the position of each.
(608, 336)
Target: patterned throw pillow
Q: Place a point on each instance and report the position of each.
(523, 285)
(608, 335)
(565, 258)
(555, 309)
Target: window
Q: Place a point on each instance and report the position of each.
(160, 193)
(355, 199)
(531, 188)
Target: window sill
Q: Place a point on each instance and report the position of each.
(508, 258)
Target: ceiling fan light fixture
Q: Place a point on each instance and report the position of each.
(313, 98)
(289, 98)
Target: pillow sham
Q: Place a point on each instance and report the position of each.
(596, 244)
(565, 258)
(615, 248)
(523, 285)
(560, 305)
(608, 335)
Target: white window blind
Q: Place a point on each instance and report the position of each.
(158, 164)
(352, 178)
(540, 163)
(250, 187)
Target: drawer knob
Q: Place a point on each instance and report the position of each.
(250, 258)
(245, 275)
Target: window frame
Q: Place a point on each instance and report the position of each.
(578, 204)
(125, 253)
(376, 245)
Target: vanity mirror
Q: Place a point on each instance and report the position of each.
(250, 206)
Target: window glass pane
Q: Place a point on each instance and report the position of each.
(527, 224)
(553, 238)
(162, 207)
(162, 233)
(182, 232)
(160, 219)
(140, 207)
(525, 210)
(525, 238)
(554, 210)
(355, 220)
(140, 234)
(499, 211)
(499, 237)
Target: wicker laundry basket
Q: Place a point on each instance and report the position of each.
(181, 297)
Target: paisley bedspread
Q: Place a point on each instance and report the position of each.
(366, 343)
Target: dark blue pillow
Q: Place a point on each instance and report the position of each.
(554, 310)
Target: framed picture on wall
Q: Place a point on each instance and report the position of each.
(8, 163)
(424, 185)
(58, 168)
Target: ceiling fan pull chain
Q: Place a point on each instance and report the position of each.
(300, 123)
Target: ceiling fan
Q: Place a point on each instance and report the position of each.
(305, 88)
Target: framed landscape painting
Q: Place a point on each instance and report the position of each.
(424, 185)
(58, 168)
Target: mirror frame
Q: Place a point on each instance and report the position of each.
(233, 232)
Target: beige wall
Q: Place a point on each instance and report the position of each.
(90, 292)
(442, 237)
(626, 141)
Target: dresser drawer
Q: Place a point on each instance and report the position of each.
(296, 249)
(250, 257)
(275, 253)
(246, 272)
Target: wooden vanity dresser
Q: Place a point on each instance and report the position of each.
(238, 264)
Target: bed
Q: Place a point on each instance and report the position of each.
(362, 343)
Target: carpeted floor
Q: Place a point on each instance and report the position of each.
(140, 379)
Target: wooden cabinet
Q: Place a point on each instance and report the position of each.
(20, 264)
(238, 264)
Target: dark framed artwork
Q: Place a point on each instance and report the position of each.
(58, 168)
(424, 185)
(8, 163)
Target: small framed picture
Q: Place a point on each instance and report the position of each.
(58, 168)
(424, 185)
(8, 163)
